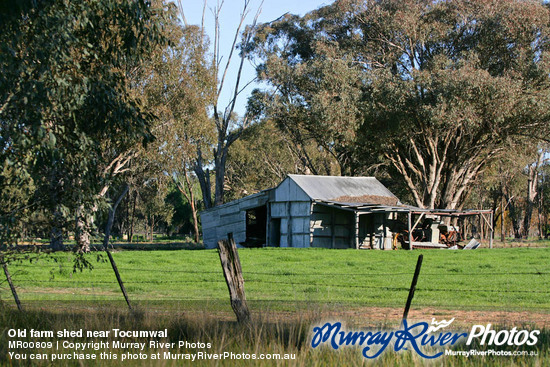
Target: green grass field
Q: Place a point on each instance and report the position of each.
(287, 279)
(184, 291)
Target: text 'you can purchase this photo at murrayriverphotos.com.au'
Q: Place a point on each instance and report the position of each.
(64, 346)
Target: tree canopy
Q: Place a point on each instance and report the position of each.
(447, 101)
(431, 90)
(64, 95)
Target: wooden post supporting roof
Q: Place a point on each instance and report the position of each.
(383, 231)
(409, 217)
(492, 233)
(356, 229)
(333, 228)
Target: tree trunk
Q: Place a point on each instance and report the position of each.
(502, 218)
(152, 238)
(111, 217)
(541, 212)
(540, 225)
(82, 232)
(58, 221)
(204, 180)
(532, 189)
(131, 232)
(56, 233)
(220, 158)
(84, 223)
(513, 217)
(82, 235)
(433, 173)
(195, 219)
(190, 196)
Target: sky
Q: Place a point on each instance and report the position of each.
(229, 19)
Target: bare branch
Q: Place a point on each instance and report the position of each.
(182, 13)
(398, 164)
(244, 87)
(245, 41)
(119, 162)
(235, 38)
(202, 19)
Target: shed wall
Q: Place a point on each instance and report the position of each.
(331, 227)
(229, 218)
(291, 204)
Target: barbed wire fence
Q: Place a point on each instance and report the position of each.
(287, 280)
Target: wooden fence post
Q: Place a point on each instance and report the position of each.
(118, 278)
(233, 274)
(10, 282)
(106, 237)
(413, 286)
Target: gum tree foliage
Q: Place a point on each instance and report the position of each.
(264, 156)
(63, 97)
(171, 83)
(431, 90)
(179, 89)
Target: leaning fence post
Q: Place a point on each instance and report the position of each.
(118, 278)
(233, 274)
(413, 286)
(10, 282)
(106, 244)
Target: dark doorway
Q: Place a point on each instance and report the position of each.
(275, 232)
(256, 226)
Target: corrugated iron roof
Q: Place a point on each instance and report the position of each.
(332, 188)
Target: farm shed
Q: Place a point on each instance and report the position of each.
(309, 211)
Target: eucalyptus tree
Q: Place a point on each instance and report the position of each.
(64, 96)
(225, 124)
(432, 90)
(533, 199)
(179, 90)
(264, 156)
